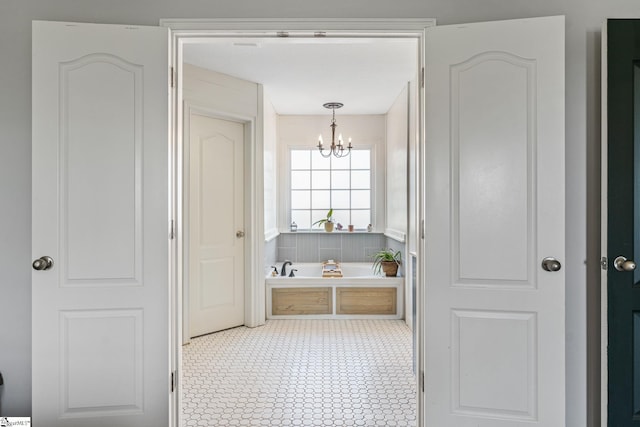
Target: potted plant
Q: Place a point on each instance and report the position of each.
(327, 222)
(388, 261)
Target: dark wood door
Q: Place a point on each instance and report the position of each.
(623, 119)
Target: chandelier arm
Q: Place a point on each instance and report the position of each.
(322, 154)
(336, 150)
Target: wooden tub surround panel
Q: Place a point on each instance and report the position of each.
(293, 301)
(366, 300)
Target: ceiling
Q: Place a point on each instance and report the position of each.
(301, 74)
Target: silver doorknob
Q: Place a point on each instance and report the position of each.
(42, 263)
(239, 234)
(623, 264)
(551, 264)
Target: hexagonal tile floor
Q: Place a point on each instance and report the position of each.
(301, 373)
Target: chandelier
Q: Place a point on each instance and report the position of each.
(337, 148)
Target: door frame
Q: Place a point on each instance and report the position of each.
(604, 325)
(249, 127)
(185, 31)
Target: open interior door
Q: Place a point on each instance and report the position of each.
(621, 222)
(100, 225)
(494, 223)
(216, 251)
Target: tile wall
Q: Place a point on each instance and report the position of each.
(339, 246)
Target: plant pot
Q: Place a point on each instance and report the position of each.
(328, 227)
(390, 268)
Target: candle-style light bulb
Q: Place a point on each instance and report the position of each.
(340, 140)
(320, 141)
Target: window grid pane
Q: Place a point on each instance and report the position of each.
(300, 180)
(300, 159)
(342, 184)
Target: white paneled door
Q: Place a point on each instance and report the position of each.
(216, 224)
(101, 213)
(494, 219)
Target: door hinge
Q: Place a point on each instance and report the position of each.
(604, 262)
(172, 232)
(174, 378)
(422, 380)
(422, 78)
(422, 229)
(171, 78)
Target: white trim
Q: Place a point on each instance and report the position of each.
(376, 171)
(421, 241)
(241, 27)
(184, 29)
(283, 183)
(194, 107)
(604, 333)
(176, 248)
(251, 292)
(271, 234)
(397, 235)
(255, 299)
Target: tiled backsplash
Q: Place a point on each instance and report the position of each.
(318, 247)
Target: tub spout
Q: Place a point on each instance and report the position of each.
(283, 270)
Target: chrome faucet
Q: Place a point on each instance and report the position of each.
(283, 270)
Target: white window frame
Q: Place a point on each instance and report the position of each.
(302, 227)
(377, 186)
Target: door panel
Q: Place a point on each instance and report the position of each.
(100, 210)
(623, 224)
(216, 213)
(494, 209)
(88, 186)
(490, 87)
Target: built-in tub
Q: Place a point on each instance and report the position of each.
(358, 294)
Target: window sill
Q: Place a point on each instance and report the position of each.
(332, 232)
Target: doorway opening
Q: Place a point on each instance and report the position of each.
(188, 47)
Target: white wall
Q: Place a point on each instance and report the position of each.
(219, 93)
(270, 120)
(231, 98)
(584, 19)
(412, 176)
(302, 132)
(397, 147)
(397, 197)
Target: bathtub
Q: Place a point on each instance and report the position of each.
(359, 294)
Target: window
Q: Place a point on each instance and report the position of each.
(319, 184)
